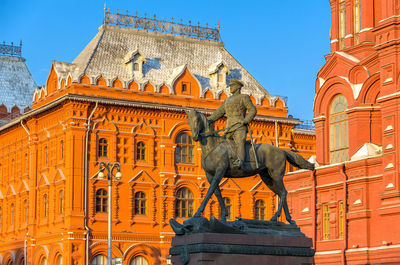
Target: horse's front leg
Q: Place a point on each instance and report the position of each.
(218, 194)
(219, 174)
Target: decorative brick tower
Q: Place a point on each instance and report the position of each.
(387, 44)
(351, 203)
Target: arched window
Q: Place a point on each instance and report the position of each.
(338, 130)
(99, 260)
(342, 23)
(140, 151)
(184, 149)
(228, 205)
(139, 260)
(140, 203)
(43, 261)
(357, 21)
(103, 148)
(25, 211)
(259, 210)
(184, 203)
(12, 210)
(59, 260)
(45, 205)
(101, 201)
(61, 202)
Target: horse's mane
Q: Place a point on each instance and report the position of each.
(207, 126)
(209, 129)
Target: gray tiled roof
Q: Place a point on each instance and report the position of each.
(165, 56)
(16, 83)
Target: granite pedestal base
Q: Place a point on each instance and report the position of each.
(241, 249)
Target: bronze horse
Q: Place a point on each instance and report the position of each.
(218, 153)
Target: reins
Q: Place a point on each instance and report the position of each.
(215, 133)
(207, 134)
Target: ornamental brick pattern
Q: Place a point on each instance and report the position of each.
(101, 96)
(350, 208)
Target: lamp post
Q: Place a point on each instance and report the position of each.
(169, 260)
(109, 167)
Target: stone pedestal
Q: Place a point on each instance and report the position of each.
(241, 249)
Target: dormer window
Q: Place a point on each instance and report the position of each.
(134, 62)
(218, 74)
(220, 78)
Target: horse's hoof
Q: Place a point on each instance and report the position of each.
(292, 222)
(274, 219)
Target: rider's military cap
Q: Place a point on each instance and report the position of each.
(236, 82)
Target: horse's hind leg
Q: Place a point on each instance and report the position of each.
(273, 186)
(275, 183)
(221, 202)
(283, 203)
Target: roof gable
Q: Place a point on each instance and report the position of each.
(229, 184)
(339, 63)
(142, 177)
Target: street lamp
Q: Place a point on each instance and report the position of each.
(109, 167)
(169, 260)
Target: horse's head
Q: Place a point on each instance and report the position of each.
(195, 123)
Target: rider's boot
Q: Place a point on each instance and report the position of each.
(243, 166)
(236, 163)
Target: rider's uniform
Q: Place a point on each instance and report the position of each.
(235, 107)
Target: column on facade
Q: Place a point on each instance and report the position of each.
(321, 141)
(334, 28)
(349, 38)
(367, 21)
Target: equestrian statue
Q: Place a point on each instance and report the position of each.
(232, 156)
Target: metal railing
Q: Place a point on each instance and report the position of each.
(169, 27)
(306, 125)
(6, 49)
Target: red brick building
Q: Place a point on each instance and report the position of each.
(350, 205)
(122, 100)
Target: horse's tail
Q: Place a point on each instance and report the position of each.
(298, 161)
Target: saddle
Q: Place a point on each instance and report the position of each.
(233, 157)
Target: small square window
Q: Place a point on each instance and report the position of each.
(220, 78)
(185, 88)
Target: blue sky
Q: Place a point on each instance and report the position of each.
(281, 43)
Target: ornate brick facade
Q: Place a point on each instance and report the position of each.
(105, 103)
(350, 205)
